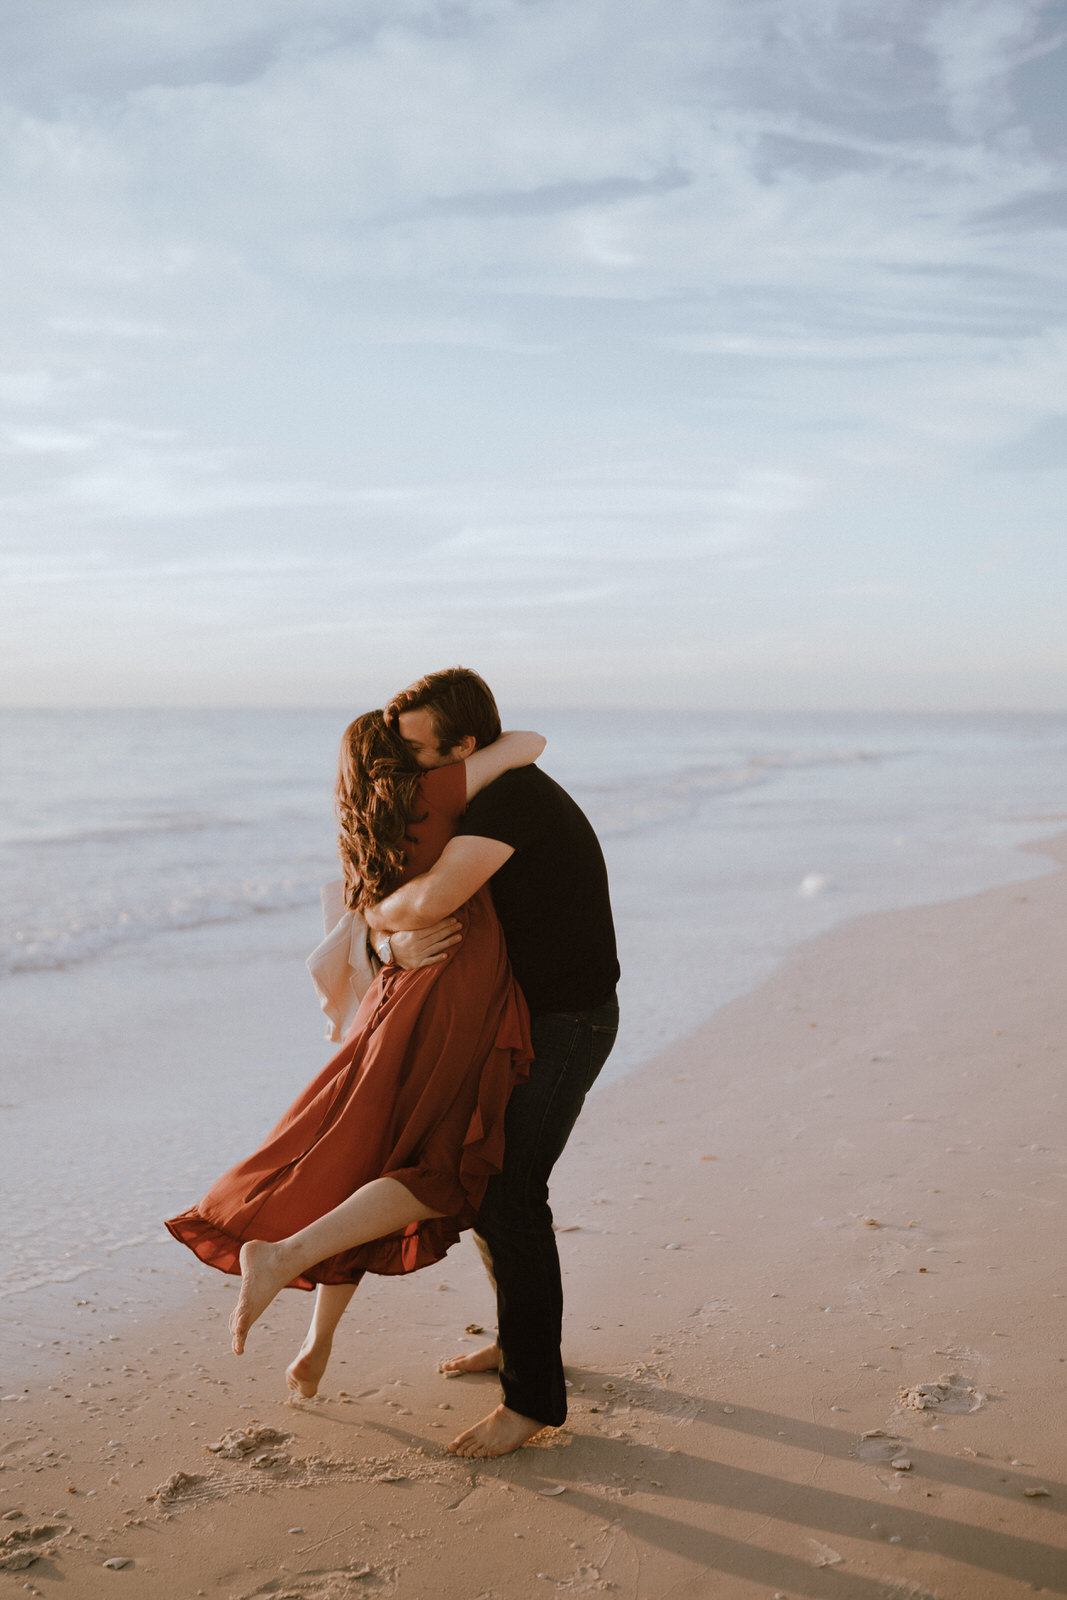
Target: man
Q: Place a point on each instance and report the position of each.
(527, 838)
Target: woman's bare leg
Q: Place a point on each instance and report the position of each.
(307, 1371)
(378, 1208)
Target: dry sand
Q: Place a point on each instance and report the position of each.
(823, 1236)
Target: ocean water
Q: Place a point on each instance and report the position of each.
(161, 872)
(125, 826)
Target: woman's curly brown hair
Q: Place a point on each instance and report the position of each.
(377, 784)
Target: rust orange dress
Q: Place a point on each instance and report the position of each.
(417, 1092)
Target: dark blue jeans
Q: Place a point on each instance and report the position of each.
(514, 1229)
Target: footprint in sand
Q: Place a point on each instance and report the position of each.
(878, 1449)
(183, 1486)
(240, 1443)
(951, 1392)
(339, 1583)
(962, 1352)
(20, 1549)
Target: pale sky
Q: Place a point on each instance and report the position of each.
(705, 353)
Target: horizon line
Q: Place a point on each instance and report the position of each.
(673, 708)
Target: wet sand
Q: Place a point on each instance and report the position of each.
(823, 1236)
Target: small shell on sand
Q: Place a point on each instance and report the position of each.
(559, 1488)
(116, 1563)
(1035, 1494)
(825, 1555)
(901, 1464)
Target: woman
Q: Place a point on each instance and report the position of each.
(384, 1158)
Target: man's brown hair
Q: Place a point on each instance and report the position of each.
(459, 703)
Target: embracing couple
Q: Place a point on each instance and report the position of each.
(484, 1016)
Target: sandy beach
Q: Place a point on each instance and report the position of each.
(815, 1292)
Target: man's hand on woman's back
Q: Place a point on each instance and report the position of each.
(425, 947)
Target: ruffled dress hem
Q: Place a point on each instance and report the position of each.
(417, 1092)
(422, 1243)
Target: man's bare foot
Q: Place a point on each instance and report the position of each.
(306, 1373)
(496, 1435)
(263, 1273)
(487, 1359)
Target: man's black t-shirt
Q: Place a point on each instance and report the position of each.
(552, 895)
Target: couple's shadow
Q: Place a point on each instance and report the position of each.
(615, 1477)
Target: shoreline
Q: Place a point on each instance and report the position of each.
(200, 1039)
(845, 1186)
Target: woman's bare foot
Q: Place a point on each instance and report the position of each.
(487, 1359)
(264, 1270)
(496, 1435)
(306, 1373)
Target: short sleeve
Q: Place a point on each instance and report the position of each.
(444, 789)
(507, 810)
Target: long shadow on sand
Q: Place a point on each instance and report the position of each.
(961, 1472)
(594, 1463)
(698, 1482)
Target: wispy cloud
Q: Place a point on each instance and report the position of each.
(621, 315)
(978, 43)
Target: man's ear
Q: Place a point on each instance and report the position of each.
(466, 747)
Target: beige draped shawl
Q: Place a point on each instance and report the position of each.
(343, 966)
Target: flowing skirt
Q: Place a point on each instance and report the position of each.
(417, 1092)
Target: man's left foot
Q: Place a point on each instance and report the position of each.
(496, 1435)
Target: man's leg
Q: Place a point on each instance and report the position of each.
(515, 1231)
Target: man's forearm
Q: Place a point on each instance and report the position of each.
(460, 870)
(406, 909)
